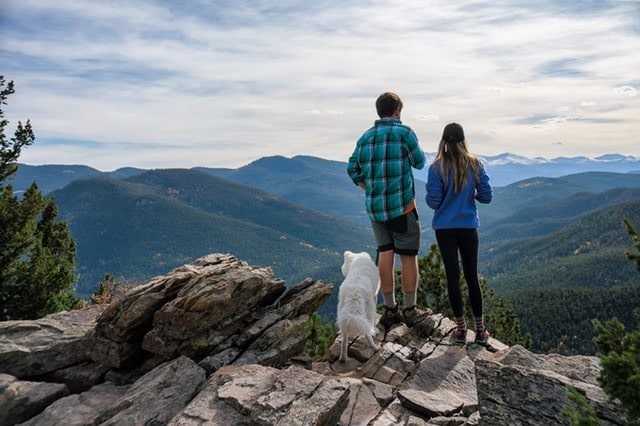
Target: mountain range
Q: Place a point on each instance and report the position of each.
(149, 223)
(297, 215)
(504, 169)
(129, 218)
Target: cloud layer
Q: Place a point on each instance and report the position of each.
(215, 83)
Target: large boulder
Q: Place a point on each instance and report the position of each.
(217, 308)
(33, 348)
(153, 399)
(516, 386)
(20, 400)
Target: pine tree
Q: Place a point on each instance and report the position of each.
(322, 333)
(633, 255)
(37, 253)
(619, 352)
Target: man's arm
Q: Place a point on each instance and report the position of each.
(416, 155)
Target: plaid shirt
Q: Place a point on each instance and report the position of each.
(382, 159)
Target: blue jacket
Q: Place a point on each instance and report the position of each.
(456, 210)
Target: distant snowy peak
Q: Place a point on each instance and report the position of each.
(617, 157)
(509, 158)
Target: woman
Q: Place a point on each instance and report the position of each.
(456, 180)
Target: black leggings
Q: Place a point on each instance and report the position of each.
(464, 240)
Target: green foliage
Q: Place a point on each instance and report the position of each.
(634, 254)
(110, 290)
(560, 318)
(432, 291)
(619, 354)
(589, 252)
(10, 150)
(322, 333)
(503, 320)
(579, 411)
(432, 294)
(37, 254)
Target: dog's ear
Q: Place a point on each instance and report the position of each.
(348, 258)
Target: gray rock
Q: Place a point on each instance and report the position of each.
(215, 305)
(33, 348)
(363, 405)
(79, 378)
(183, 301)
(221, 296)
(278, 344)
(397, 414)
(158, 395)
(22, 400)
(520, 395)
(443, 384)
(391, 364)
(80, 409)
(254, 394)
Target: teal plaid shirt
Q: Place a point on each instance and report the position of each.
(382, 159)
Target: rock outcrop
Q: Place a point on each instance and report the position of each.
(216, 342)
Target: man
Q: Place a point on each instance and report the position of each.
(381, 165)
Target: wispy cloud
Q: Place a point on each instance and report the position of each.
(153, 84)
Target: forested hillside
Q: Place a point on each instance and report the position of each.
(139, 229)
(541, 192)
(312, 182)
(219, 196)
(560, 318)
(589, 252)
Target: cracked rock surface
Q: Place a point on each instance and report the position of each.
(218, 342)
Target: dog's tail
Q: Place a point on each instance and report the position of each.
(356, 325)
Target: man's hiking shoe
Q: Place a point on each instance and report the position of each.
(482, 337)
(390, 316)
(460, 336)
(413, 316)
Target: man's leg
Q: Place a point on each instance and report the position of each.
(409, 274)
(385, 270)
(391, 314)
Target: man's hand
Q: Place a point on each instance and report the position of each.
(362, 185)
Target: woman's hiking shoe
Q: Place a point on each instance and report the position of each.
(413, 315)
(482, 337)
(460, 336)
(390, 316)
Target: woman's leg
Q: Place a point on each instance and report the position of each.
(447, 241)
(469, 256)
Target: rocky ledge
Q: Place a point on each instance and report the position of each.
(217, 342)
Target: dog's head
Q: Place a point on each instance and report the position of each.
(350, 258)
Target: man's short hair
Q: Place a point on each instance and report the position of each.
(387, 104)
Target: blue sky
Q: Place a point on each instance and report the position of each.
(158, 83)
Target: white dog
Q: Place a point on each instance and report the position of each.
(357, 299)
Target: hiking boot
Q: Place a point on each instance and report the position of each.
(482, 337)
(413, 315)
(460, 336)
(390, 316)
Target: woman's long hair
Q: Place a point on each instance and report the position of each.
(455, 156)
